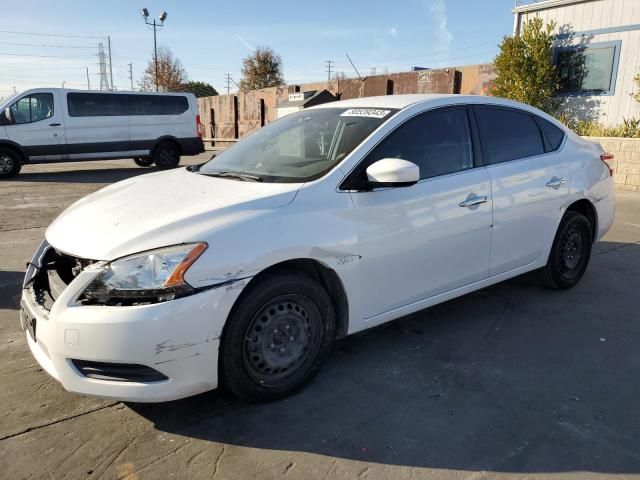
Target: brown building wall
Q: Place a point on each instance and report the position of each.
(235, 116)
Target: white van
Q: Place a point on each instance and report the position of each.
(58, 125)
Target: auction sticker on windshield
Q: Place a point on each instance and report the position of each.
(366, 112)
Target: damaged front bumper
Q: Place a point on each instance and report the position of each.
(142, 353)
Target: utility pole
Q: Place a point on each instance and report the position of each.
(88, 81)
(131, 75)
(354, 67)
(329, 62)
(162, 18)
(110, 63)
(102, 63)
(228, 76)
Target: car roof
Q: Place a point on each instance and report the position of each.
(404, 101)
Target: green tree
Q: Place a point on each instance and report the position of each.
(525, 69)
(261, 69)
(637, 80)
(200, 89)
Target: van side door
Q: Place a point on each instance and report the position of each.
(37, 126)
(97, 125)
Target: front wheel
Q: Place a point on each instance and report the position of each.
(10, 163)
(166, 155)
(276, 337)
(143, 162)
(570, 252)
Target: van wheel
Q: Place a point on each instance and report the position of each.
(143, 162)
(10, 163)
(276, 337)
(570, 252)
(166, 156)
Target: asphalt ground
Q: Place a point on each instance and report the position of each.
(514, 381)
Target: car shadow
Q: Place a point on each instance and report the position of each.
(10, 289)
(89, 175)
(512, 378)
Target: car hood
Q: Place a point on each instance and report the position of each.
(160, 209)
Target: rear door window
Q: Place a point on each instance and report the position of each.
(508, 134)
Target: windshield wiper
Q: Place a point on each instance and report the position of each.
(239, 175)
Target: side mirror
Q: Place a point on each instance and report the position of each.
(393, 172)
(7, 117)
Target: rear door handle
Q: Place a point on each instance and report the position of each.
(54, 124)
(556, 182)
(475, 200)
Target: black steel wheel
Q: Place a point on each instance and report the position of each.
(276, 338)
(166, 155)
(10, 163)
(143, 162)
(570, 252)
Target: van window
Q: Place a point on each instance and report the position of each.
(33, 108)
(157, 104)
(508, 134)
(96, 104)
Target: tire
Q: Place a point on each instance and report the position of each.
(143, 162)
(166, 155)
(570, 252)
(10, 163)
(276, 338)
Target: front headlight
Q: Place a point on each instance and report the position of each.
(148, 277)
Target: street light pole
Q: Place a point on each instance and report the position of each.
(155, 25)
(155, 51)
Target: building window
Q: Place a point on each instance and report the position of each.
(589, 69)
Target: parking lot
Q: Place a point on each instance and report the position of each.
(514, 381)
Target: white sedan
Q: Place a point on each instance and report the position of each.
(243, 271)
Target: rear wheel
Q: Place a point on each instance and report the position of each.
(276, 337)
(10, 163)
(143, 162)
(570, 252)
(166, 155)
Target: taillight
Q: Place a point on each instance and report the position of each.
(198, 126)
(606, 158)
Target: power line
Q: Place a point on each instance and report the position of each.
(43, 56)
(46, 46)
(64, 35)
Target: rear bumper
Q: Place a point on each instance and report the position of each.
(179, 339)
(191, 146)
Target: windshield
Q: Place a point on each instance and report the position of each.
(300, 147)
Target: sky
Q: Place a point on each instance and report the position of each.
(45, 43)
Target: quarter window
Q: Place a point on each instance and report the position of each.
(33, 108)
(439, 142)
(508, 134)
(157, 104)
(554, 134)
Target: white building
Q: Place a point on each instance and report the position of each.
(597, 52)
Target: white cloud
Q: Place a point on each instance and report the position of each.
(244, 42)
(437, 9)
(393, 31)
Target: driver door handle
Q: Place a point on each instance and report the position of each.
(471, 201)
(54, 124)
